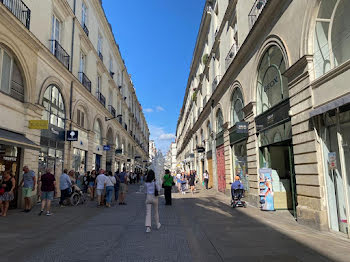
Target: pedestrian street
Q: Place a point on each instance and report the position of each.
(197, 227)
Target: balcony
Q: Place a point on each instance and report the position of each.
(111, 74)
(101, 98)
(121, 120)
(19, 10)
(111, 109)
(60, 53)
(215, 83)
(85, 81)
(126, 127)
(100, 55)
(255, 12)
(86, 30)
(231, 55)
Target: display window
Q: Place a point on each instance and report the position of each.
(79, 160)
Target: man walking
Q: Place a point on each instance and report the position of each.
(65, 186)
(122, 187)
(28, 183)
(101, 187)
(48, 188)
(206, 179)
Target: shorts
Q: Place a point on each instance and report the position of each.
(99, 192)
(48, 195)
(27, 192)
(122, 188)
(91, 183)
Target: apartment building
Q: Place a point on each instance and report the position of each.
(60, 62)
(170, 159)
(268, 88)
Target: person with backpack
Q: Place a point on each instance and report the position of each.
(152, 192)
(168, 182)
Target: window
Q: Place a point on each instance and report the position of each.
(11, 80)
(80, 118)
(98, 133)
(82, 64)
(55, 32)
(98, 84)
(272, 87)
(99, 44)
(54, 107)
(237, 105)
(219, 121)
(331, 37)
(84, 13)
(110, 64)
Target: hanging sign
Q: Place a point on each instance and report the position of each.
(38, 124)
(332, 160)
(106, 147)
(265, 189)
(119, 151)
(72, 135)
(242, 127)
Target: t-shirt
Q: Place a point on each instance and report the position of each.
(47, 182)
(237, 185)
(110, 181)
(28, 177)
(101, 180)
(178, 176)
(122, 177)
(206, 175)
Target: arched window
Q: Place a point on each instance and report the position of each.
(331, 38)
(219, 121)
(98, 132)
(11, 80)
(53, 103)
(209, 130)
(237, 105)
(272, 87)
(117, 145)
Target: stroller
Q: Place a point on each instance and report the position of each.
(237, 194)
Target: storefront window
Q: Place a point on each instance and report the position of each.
(219, 121)
(331, 40)
(54, 107)
(239, 153)
(98, 133)
(237, 105)
(272, 86)
(79, 160)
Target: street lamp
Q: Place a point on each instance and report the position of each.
(107, 119)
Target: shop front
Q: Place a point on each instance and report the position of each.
(220, 162)
(209, 155)
(334, 130)
(80, 149)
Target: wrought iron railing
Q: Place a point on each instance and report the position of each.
(19, 10)
(111, 110)
(86, 30)
(85, 81)
(100, 55)
(101, 98)
(215, 83)
(255, 12)
(231, 55)
(60, 53)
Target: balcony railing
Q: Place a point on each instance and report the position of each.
(231, 55)
(111, 74)
(121, 120)
(126, 127)
(111, 110)
(101, 98)
(255, 12)
(60, 53)
(85, 81)
(19, 10)
(100, 55)
(86, 30)
(215, 83)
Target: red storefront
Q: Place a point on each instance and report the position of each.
(220, 160)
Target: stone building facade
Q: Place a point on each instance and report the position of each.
(60, 62)
(268, 88)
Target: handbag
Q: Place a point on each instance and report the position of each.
(156, 193)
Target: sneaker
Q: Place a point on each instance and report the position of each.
(48, 213)
(148, 230)
(159, 225)
(41, 212)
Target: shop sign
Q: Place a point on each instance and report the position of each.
(106, 147)
(242, 127)
(38, 124)
(200, 149)
(10, 158)
(332, 160)
(72, 135)
(119, 151)
(128, 160)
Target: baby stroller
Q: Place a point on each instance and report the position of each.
(237, 194)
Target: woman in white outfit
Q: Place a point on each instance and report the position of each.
(152, 191)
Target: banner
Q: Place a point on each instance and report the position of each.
(265, 189)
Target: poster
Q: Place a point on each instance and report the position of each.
(265, 189)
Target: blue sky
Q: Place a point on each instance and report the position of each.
(157, 39)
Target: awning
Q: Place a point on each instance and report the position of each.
(12, 138)
(331, 105)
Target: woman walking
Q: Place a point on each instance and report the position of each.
(168, 183)
(191, 181)
(110, 182)
(7, 185)
(91, 182)
(152, 191)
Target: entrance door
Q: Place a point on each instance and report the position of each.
(210, 170)
(220, 158)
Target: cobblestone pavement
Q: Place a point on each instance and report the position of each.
(199, 227)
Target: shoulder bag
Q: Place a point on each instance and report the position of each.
(156, 193)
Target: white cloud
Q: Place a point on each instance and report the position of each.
(148, 110)
(160, 109)
(161, 138)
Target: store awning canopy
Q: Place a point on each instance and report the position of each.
(15, 139)
(331, 105)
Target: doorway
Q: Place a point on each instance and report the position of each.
(210, 170)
